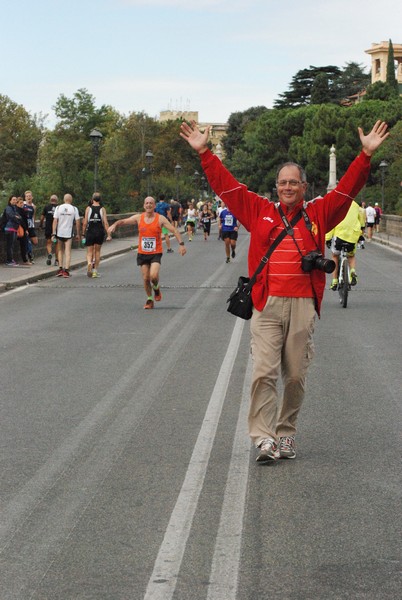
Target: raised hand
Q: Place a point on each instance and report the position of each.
(375, 138)
(196, 138)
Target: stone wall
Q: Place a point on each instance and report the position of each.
(392, 225)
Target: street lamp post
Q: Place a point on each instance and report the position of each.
(177, 170)
(204, 186)
(196, 179)
(383, 165)
(96, 138)
(149, 158)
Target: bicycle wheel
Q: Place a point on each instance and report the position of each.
(345, 286)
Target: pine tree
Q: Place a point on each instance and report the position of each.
(391, 79)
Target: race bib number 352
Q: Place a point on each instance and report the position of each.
(148, 244)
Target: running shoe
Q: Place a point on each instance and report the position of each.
(157, 295)
(12, 263)
(334, 285)
(56, 263)
(233, 253)
(228, 260)
(66, 273)
(287, 447)
(268, 451)
(353, 278)
(95, 274)
(49, 259)
(149, 304)
(89, 270)
(60, 272)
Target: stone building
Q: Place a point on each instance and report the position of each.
(218, 130)
(379, 59)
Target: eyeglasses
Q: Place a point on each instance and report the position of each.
(291, 182)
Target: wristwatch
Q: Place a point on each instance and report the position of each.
(181, 243)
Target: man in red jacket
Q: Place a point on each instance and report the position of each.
(287, 292)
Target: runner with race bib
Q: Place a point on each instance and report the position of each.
(229, 228)
(150, 248)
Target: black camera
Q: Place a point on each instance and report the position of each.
(315, 260)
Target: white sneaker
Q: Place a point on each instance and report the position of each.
(268, 450)
(287, 447)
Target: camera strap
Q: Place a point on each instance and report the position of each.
(289, 229)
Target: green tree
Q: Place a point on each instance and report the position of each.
(352, 80)
(320, 92)
(308, 86)
(66, 159)
(380, 90)
(237, 124)
(20, 137)
(391, 78)
(301, 86)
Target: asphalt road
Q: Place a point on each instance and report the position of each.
(127, 473)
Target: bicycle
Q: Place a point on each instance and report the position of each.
(343, 276)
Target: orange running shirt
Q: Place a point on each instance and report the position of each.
(150, 236)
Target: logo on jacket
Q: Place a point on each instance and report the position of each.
(268, 219)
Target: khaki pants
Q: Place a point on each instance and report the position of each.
(281, 338)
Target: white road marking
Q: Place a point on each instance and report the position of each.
(163, 580)
(226, 560)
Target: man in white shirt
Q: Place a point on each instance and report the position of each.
(63, 231)
(370, 220)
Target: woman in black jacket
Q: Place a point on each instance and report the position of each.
(10, 229)
(23, 240)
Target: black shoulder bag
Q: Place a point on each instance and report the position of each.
(240, 301)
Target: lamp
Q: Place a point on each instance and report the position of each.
(383, 165)
(96, 138)
(149, 158)
(177, 171)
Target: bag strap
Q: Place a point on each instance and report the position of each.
(287, 231)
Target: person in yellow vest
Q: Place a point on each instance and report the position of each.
(150, 250)
(349, 231)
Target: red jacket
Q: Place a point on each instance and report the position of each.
(259, 216)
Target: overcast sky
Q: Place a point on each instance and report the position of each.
(212, 56)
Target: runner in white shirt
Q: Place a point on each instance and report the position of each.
(370, 220)
(63, 231)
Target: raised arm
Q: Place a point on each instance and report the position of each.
(129, 221)
(375, 138)
(196, 138)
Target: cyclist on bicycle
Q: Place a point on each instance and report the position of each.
(347, 232)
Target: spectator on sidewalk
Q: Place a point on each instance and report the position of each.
(12, 221)
(22, 237)
(30, 211)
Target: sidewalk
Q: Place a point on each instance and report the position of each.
(11, 277)
(393, 241)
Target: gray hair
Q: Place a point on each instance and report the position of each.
(302, 172)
